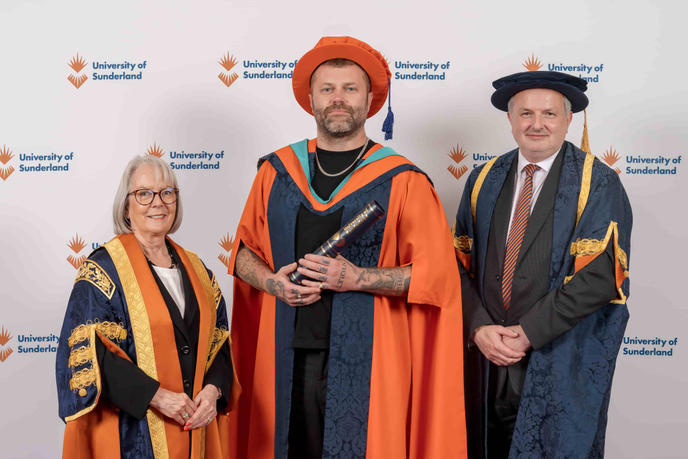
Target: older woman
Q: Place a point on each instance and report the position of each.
(144, 364)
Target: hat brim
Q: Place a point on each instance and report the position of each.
(301, 79)
(501, 97)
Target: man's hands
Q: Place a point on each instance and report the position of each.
(500, 345)
(340, 275)
(280, 286)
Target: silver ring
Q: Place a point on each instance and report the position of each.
(299, 296)
(186, 416)
(321, 286)
(210, 420)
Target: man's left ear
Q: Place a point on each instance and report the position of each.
(370, 101)
(569, 119)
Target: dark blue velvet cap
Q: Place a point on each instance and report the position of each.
(570, 86)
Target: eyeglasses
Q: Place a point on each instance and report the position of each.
(145, 197)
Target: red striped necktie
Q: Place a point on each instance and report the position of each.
(516, 233)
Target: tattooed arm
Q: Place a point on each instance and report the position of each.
(340, 275)
(251, 269)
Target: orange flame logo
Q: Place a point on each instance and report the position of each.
(457, 172)
(77, 244)
(5, 336)
(533, 64)
(226, 243)
(228, 79)
(76, 261)
(5, 155)
(618, 171)
(228, 62)
(155, 150)
(611, 156)
(77, 81)
(5, 353)
(4, 173)
(458, 154)
(77, 63)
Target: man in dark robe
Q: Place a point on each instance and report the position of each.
(543, 239)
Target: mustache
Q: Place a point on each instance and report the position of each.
(340, 106)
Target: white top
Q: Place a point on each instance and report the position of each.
(539, 177)
(172, 279)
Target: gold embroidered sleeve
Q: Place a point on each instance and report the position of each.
(91, 272)
(217, 292)
(220, 335)
(463, 242)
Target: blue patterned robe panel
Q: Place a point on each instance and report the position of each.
(351, 335)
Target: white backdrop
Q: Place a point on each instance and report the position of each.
(633, 51)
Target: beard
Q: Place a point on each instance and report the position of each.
(340, 125)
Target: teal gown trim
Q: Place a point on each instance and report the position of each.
(301, 150)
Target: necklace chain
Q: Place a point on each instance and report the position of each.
(169, 251)
(317, 161)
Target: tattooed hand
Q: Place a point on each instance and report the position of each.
(252, 269)
(340, 275)
(280, 286)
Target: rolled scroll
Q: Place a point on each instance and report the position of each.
(346, 235)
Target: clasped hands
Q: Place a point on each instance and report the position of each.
(502, 345)
(191, 414)
(337, 274)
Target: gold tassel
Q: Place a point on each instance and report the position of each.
(585, 143)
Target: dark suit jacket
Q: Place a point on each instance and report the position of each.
(543, 315)
(131, 390)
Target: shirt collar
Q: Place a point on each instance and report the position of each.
(545, 164)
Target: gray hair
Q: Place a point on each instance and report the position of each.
(567, 105)
(120, 221)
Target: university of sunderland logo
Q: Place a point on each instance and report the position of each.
(5, 337)
(77, 64)
(226, 243)
(77, 244)
(5, 156)
(533, 64)
(228, 63)
(611, 157)
(155, 150)
(458, 154)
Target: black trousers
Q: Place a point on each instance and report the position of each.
(502, 410)
(308, 399)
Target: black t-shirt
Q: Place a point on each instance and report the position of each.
(313, 321)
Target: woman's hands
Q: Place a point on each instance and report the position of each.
(206, 402)
(199, 412)
(174, 405)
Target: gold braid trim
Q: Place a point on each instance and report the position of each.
(218, 292)
(143, 338)
(81, 356)
(479, 184)
(82, 379)
(87, 377)
(463, 242)
(220, 335)
(585, 247)
(111, 330)
(90, 271)
(585, 185)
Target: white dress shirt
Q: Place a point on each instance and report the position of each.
(172, 279)
(539, 177)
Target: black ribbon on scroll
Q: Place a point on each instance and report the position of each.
(346, 235)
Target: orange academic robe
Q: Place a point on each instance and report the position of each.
(412, 401)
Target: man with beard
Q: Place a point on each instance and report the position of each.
(360, 361)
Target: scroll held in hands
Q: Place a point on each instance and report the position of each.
(346, 235)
